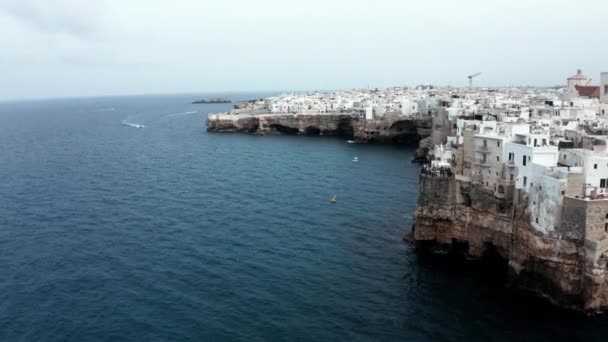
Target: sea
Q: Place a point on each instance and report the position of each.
(122, 219)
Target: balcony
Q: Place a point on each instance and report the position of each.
(499, 192)
(482, 163)
(482, 149)
(462, 178)
(477, 178)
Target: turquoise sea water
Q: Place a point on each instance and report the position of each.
(122, 219)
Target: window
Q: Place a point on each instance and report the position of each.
(535, 142)
(497, 158)
(524, 160)
(563, 192)
(511, 177)
(595, 166)
(537, 220)
(525, 180)
(606, 227)
(603, 183)
(498, 143)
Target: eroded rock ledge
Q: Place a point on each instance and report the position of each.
(389, 130)
(567, 266)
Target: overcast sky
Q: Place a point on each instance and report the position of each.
(58, 48)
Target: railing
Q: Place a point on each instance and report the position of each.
(436, 171)
(482, 163)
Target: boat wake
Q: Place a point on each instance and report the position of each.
(180, 114)
(132, 124)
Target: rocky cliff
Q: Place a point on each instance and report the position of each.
(395, 130)
(566, 266)
(389, 130)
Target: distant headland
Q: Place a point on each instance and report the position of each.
(213, 100)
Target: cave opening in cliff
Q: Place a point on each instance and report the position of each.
(404, 132)
(254, 127)
(311, 130)
(406, 138)
(345, 128)
(284, 129)
(493, 263)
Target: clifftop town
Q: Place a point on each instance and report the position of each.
(521, 173)
(395, 115)
(526, 176)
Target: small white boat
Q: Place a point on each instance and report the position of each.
(351, 141)
(355, 159)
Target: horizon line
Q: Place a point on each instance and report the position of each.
(220, 92)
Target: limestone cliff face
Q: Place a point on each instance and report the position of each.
(248, 124)
(394, 130)
(409, 130)
(453, 213)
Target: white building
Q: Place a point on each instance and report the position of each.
(525, 150)
(595, 168)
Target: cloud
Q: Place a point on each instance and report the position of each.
(72, 17)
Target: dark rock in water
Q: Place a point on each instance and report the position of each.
(212, 100)
(425, 146)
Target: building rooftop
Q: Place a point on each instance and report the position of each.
(588, 91)
(579, 76)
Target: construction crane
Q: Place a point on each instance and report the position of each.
(471, 79)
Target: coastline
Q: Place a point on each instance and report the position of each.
(441, 223)
(410, 130)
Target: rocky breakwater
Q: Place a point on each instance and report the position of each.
(388, 130)
(568, 265)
